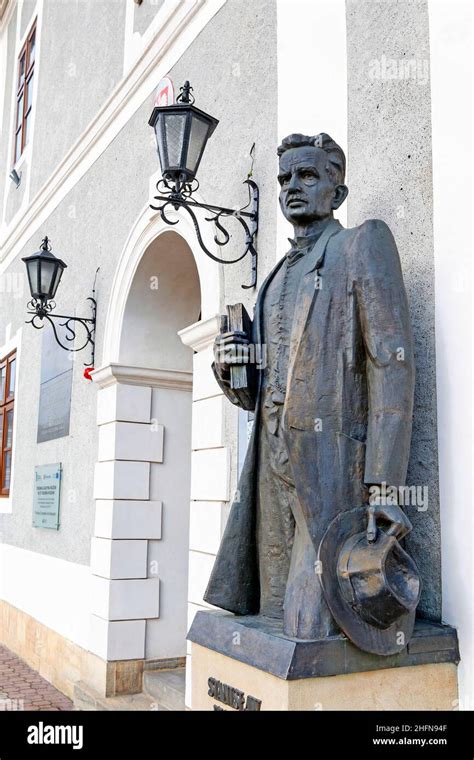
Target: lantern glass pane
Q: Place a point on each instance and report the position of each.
(160, 143)
(47, 275)
(174, 135)
(32, 270)
(56, 279)
(197, 141)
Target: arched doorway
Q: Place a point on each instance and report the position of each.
(164, 297)
(163, 285)
(139, 561)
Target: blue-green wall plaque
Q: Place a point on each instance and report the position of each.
(47, 496)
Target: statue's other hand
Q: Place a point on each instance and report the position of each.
(399, 524)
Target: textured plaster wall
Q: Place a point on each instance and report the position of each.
(26, 15)
(89, 229)
(390, 178)
(82, 61)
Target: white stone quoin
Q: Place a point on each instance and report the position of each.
(125, 599)
(116, 518)
(131, 441)
(127, 403)
(118, 559)
(117, 639)
(122, 480)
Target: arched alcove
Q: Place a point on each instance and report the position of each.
(146, 232)
(161, 319)
(164, 297)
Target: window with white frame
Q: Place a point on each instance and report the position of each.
(7, 403)
(24, 93)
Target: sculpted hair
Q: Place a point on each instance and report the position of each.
(336, 165)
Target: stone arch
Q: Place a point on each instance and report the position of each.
(148, 227)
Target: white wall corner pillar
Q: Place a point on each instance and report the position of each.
(124, 596)
(210, 468)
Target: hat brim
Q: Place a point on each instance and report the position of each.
(387, 641)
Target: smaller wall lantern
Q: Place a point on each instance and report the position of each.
(44, 272)
(182, 132)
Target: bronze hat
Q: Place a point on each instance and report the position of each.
(372, 589)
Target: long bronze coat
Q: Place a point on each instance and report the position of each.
(348, 408)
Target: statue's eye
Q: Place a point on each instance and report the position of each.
(309, 175)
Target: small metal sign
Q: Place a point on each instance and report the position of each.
(164, 93)
(47, 496)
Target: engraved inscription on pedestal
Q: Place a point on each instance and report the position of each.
(232, 697)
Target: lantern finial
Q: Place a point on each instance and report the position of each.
(185, 93)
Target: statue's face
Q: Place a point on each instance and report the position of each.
(307, 190)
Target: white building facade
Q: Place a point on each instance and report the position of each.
(149, 449)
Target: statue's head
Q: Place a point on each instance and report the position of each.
(311, 177)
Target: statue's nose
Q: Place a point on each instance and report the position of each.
(293, 183)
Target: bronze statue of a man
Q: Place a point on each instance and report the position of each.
(333, 399)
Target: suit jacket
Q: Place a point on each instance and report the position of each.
(347, 414)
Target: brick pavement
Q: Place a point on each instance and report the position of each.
(22, 688)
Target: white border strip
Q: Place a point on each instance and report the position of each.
(451, 94)
(53, 591)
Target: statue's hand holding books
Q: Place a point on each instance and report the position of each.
(234, 360)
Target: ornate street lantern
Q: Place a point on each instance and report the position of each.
(44, 271)
(182, 132)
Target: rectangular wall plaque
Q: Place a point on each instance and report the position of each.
(55, 390)
(47, 496)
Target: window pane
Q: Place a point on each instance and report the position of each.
(1, 445)
(29, 92)
(11, 382)
(19, 112)
(21, 76)
(7, 470)
(9, 432)
(18, 145)
(32, 48)
(27, 127)
(3, 376)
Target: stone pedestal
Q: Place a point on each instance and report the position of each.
(246, 663)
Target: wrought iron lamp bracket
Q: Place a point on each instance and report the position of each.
(42, 310)
(179, 195)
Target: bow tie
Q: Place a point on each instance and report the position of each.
(300, 246)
